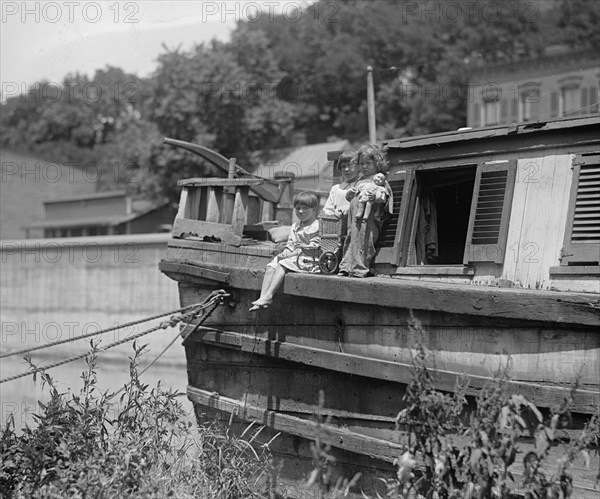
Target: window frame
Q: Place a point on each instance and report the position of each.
(398, 254)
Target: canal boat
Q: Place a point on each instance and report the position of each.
(491, 257)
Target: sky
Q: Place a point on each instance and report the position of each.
(50, 39)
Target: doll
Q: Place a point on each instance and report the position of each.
(376, 187)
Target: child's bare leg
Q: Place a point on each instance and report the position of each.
(276, 281)
(368, 206)
(266, 282)
(360, 209)
(271, 283)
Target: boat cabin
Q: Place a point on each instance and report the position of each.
(515, 206)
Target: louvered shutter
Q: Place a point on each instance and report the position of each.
(490, 212)
(582, 233)
(388, 231)
(390, 240)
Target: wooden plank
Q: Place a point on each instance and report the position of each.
(194, 270)
(213, 210)
(199, 228)
(535, 305)
(580, 270)
(219, 182)
(339, 437)
(240, 210)
(183, 201)
(513, 303)
(542, 395)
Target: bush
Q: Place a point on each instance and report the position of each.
(88, 445)
(456, 452)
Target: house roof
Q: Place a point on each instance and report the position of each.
(82, 197)
(140, 206)
(309, 164)
(87, 222)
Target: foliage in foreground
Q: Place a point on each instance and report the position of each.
(90, 445)
(454, 452)
(141, 445)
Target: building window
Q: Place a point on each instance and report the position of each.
(530, 102)
(491, 112)
(569, 100)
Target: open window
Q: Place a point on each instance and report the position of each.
(449, 216)
(582, 234)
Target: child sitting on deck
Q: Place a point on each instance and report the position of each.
(304, 235)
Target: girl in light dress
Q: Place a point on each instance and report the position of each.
(337, 205)
(359, 248)
(303, 235)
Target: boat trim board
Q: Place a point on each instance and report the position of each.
(584, 400)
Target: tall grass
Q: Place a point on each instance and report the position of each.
(133, 443)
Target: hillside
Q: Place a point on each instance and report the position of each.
(27, 182)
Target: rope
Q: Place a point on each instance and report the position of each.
(214, 298)
(89, 335)
(178, 335)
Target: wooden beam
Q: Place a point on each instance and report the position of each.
(534, 305)
(511, 303)
(195, 271)
(338, 437)
(584, 401)
(219, 182)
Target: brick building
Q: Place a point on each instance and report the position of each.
(563, 84)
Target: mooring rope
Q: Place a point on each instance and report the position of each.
(95, 333)
(213, 299)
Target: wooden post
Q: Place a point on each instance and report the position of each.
(231, 171)
(285, 207)
(228, 195)
(371, 106)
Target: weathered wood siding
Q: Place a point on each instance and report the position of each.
(538, 218)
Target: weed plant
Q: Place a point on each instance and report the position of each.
(142, 445)
(133, 443)
(452, 452)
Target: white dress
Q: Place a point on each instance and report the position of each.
(300, 236)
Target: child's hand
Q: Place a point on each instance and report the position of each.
(367, 195)
(351, 193)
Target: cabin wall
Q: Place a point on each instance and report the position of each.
(537, 223)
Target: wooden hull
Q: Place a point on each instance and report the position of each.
(352, 340)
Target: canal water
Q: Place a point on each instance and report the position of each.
(19, 398)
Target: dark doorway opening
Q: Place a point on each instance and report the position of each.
(442, 215)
